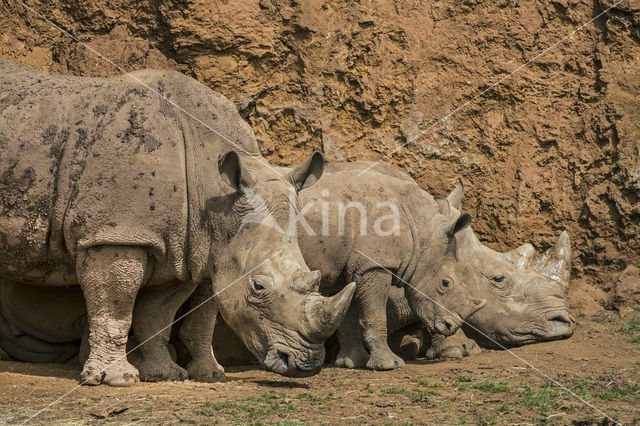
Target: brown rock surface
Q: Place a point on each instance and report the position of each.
(555, 146)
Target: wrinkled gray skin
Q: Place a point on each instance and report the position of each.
(421, 253)
(108, 187)
(526, 295)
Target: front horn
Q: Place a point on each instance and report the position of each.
(325, 314)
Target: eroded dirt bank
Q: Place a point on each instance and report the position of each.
(555, 146)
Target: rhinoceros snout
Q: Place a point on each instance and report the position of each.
(560, 325)
(283, 361)
(447, 326)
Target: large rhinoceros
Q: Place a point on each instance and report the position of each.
(107, 185)
(526, 295)
(396, 241)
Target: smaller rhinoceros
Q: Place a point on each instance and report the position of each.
(419, 255)
(109, 187)
(526, 296)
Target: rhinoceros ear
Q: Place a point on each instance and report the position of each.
(455, 224)
(462, 222)
(230, 169)
(456, 196)
(309, 172)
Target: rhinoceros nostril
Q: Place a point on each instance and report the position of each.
(449, 324)
(560, 318)
(284, 360)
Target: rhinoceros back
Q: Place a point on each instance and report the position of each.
(92, 161)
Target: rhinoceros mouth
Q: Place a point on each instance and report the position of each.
(284, 360)
(559, 325)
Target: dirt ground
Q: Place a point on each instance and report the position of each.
(600, 363)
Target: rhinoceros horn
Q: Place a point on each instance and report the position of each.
(325, 314)
(556, 262)
(524, 256)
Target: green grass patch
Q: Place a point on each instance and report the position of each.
(250, 409)
(632, 328)
(466, 383)
(615, 392)
(414, 395)
(485, 420)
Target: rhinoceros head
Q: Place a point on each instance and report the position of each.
(526, 292)
(440, 298)
(274, 306)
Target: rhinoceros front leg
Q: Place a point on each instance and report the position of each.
(154, 311)
(456, 346)
(110, 277)
(352, 353)
(371, 298)
(196, 332)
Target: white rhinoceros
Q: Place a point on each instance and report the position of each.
(105, 185)
(526, 296)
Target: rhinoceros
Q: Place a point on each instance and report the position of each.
(136, 189)
(416, 252)
(526, 295)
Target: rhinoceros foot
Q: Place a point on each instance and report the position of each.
(116, 373)
(384, 360)
(206, 371)
(456, 346)
(409, 347)
(151, 370)
(352, 356)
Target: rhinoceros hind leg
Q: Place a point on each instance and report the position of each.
(352, 353)
(154, 311)
(196, 332)
(110, 277)
(456, 346)
(371, 297)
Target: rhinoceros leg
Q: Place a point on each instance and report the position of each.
(410, 341)
(110, 277)
(196, 332)
(352, 353)
(371, 298)
(154, 310)
(456, 346)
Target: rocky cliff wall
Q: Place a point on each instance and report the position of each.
(554, 146)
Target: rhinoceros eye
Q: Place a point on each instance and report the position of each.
(498, 279)
(257, 286)
(445, 285)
